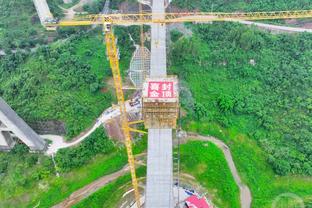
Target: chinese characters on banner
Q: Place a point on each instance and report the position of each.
(160, 90)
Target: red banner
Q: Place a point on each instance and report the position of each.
(160, 90)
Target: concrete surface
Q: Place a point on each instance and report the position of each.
(43, 10)
(159, 179)
(11, 123)
(158, 42)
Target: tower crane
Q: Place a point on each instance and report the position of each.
(108, 20)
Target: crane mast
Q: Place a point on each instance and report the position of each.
(112, 54)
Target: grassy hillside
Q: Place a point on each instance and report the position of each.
(251, 162)
(18, 175)
(19, 25)
(26, 182)
(59, 82)
(203, 160)
(110, 194)
(238, 84)
(207, 164)
(65, 81)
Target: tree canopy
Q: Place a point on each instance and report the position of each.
(256, 82)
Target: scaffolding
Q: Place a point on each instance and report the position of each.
(139, 66)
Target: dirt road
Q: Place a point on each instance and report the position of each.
(58, 142)
(89, 189)
(84, 192)
(245, 194)
(70, 12)
(277, 28)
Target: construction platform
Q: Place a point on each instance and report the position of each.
(160, 102)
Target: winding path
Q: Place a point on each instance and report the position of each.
(277, 28)
(245, 194)
(58, 142)
(89, 189)
(86, 191)
(70, 12)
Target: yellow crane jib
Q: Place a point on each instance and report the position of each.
(148, 18)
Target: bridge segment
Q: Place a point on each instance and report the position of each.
(159, 181)
(12, 126)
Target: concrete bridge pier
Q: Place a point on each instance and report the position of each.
(13, 126)
(6, 139)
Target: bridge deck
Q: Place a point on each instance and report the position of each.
(43, 10)
(159, 183)
(19, 128)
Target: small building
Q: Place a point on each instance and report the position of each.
(160, 103)
(196, 202)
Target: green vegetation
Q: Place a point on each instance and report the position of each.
(251, 162)
(97, 143)
(207, 164)
(65, 81)
(96, 6)
(60, 188)
(59, 82)
(28, 181)
(19, 25)
(253, 81)
(110, 195)
(243, 5)
(54, 6)
(66, 6)
(201, 159)
(251, 88)
(19, 170)
(104, 163)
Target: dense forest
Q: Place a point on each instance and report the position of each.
(242, 5)
(97, 143)
(19, 25)
(255, 82)
(65, 81)
(58, 82)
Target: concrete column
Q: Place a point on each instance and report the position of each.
(159, 179)
(10, 121)
(6, 140)
(43, 10)
(158, 42)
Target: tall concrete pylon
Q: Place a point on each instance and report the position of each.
(43, 11)
(159, 177)
(149, 2)
(11, 126)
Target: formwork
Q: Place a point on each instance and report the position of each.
(139, 66)
(160, 103)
